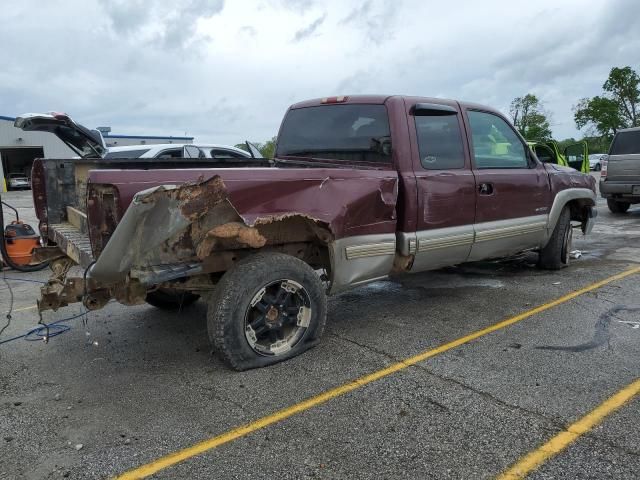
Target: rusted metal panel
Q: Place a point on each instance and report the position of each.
(167, 225)
(103, 213)
(77, 218)
(73, 242)
(349, 201)
(185, 224)
(58, 183)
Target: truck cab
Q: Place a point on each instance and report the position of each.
(469, 186)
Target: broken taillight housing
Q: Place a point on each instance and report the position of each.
(603, 166)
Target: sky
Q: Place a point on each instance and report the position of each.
(226, 71)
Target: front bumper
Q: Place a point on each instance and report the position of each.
(587, 226)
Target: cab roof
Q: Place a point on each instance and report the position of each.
(380, 99)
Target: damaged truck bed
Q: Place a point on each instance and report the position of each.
(360, 188)
(173, 228)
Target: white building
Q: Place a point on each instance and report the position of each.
(18, 148)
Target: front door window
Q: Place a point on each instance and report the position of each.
(495, 144)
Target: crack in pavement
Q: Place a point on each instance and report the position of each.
(451, 380)
(601, 333)
(559, 424)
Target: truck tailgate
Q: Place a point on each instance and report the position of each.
(624, 168)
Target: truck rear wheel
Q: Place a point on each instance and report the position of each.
(617, 207)
(555, 254)
(167, 299)
(269, 307)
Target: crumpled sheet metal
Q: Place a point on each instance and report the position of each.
(174, 224)
(141, 229)
(152, 230)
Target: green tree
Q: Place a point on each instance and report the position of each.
(618, 107)
(529, 117)
(598, 144)
(267, 149)
(623, 86)
(562, 144)
(600, 114)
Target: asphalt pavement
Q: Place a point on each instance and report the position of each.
(129, 385)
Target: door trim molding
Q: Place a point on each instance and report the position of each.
(510, 231)
(361, 259)
(426, 244)
(370, 250)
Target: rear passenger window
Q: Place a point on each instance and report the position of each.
(218, 153)
(440, 142)
(495, 144)
(626, 143)
(175, 153)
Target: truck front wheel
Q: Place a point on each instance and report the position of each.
(269, 307)
(617, 207)
(555, 254)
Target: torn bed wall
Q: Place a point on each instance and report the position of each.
(172, 224)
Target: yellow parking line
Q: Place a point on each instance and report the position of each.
(565, 438)
(22, 309)
(201, 447)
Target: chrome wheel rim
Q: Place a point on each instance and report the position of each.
(277, 318)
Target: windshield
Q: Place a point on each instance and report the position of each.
(337, 132)
(626, 143)
(126, 153)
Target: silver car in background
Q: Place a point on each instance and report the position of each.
(18, 181)
(595, 161)
(179, 150)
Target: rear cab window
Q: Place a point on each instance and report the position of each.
(440, 142)
(349, 132)
(626, 143)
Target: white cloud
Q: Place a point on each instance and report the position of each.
(226, 72)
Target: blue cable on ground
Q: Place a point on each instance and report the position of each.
(55, 329)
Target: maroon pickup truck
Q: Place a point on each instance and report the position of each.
(361, 187)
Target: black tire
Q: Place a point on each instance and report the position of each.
(598, 167)
(166, 299)
(555, 254)
(251, 294)
(617, 207)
